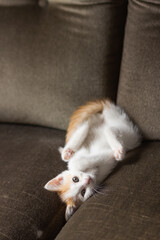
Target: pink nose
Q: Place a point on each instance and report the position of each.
(88, 180)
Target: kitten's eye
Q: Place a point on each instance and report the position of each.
(75, 179)
(83, 192)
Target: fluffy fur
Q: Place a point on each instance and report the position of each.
(98, 136)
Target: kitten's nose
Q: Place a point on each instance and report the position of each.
(88, 180)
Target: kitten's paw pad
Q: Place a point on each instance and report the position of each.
(68, 153)
(119, 154)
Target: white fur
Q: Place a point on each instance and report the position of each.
(101, 141)
(93, 151)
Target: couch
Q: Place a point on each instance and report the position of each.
(54, 56)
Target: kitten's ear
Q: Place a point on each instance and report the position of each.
(54, 184)
(70, 209)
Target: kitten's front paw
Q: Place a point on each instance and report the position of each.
(67, 154)
(119, 153)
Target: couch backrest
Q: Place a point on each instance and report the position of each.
(139, 88)
(10, 3)
(55, 58)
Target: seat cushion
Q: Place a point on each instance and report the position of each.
(127, 207)
(140, 75)
(28, 159)
(56, 58)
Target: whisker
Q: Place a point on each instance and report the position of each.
(100, 187)
(94, 193)
(98, 191)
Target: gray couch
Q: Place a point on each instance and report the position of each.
(54, 56)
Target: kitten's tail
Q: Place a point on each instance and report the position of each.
(83, 113)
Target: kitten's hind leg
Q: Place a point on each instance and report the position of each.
(76, 141)
(113, 139)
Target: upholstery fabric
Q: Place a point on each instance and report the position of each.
(87, 2)
(140, 75)
(128, 206)
(28, 159)
(56, 58)
(16, 2)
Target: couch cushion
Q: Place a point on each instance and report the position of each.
(28, 159)
(140, 74)
(56, 58)
(16, 2)
(129, 207)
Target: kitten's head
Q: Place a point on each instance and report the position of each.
(73, 187)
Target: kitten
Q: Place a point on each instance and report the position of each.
(98, 136)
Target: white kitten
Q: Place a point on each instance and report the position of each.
(99, 134)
